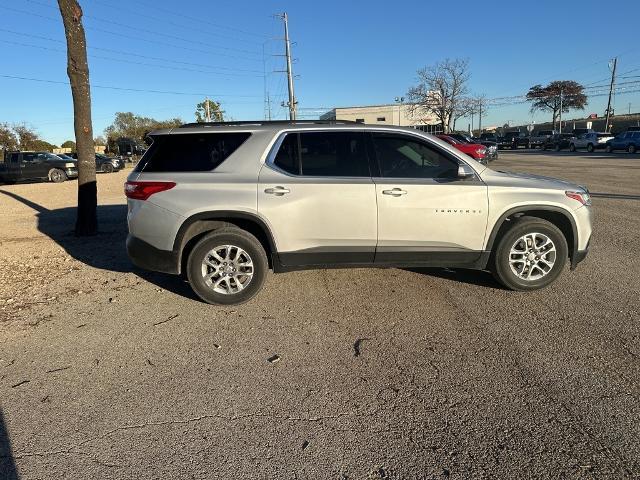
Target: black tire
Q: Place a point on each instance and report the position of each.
(572, 148)
(590, 148)
(609, 149)
(237, 238)
(57, 176)
(500, 266)
(107, 167)
(631, 149)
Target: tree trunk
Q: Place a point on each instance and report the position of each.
(78, 71)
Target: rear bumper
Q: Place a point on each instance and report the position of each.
(148, 257)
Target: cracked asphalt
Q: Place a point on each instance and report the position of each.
(110, 372)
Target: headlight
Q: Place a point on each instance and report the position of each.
(481, 151)
(583, 196)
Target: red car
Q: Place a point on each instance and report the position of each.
(474, 150)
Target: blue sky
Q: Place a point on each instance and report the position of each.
(347, 53)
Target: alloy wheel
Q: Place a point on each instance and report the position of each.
(532, 256)
(227, 269)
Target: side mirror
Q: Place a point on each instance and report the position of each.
(465, 171)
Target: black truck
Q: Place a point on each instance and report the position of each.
(19, 166)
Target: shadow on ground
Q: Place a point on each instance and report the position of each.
(8, 469)
(105, 251)
(472, 277)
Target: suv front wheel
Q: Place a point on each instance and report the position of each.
(530, 255)
(227, 267)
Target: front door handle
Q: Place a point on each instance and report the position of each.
(396, 192)
(278, 191)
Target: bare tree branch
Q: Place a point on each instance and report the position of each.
(440, 91)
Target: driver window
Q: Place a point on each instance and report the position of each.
(401, 156)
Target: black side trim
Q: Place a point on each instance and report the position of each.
(346, 257)
(425, 257)
(573, 249)
(318, 257)
(147, 256)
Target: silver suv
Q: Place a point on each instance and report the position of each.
(224, 203)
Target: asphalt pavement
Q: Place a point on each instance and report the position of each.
(364, 373)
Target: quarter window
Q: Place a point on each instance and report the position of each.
(403, 157)
(324, 154)
(190, 152)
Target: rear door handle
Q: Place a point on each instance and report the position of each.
(278, 191)
(396, 192)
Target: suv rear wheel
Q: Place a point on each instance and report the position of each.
(227, 267)
(530, 255)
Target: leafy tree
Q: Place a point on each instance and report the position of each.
(129, 125)
(547, 99)
(69, 144)
(440, 91)
(8, 138)
(99, 140)
(42, 146)
(215, 113)
(78, 72)
(26, 137)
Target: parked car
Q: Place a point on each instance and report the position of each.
(558, 141)
(581, 131)
(492, 147)
(64, 156)
(591, 141)
(224, 204)
(23, 165)
(105, 164)
(517, 139)
(629, 141)
(474, 150)
(540, 138)
(497, 139)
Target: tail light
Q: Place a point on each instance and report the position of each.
(143, 190)
(583, 197)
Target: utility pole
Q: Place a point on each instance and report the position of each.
(480, 116)
(287, 46)
(613, 81)
(268, 106)
(560, 124)
(207, 117)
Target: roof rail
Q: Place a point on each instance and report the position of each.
(267, 122)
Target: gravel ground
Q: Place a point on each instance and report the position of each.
(110, 372)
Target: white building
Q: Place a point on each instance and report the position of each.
(389, 114)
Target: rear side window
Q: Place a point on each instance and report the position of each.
(324, 154)
(201, 152)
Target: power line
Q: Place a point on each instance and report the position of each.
(140, 39)
(162, 20)
(132, 54)
(200, 20)
(109, 87)
(136, 62)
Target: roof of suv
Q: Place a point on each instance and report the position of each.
(270, 125)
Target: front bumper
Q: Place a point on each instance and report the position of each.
(579, 256)
(148, 257)
(71, 172)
